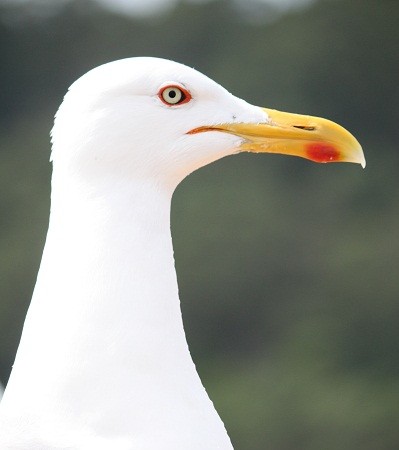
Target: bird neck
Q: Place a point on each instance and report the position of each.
(103, 342)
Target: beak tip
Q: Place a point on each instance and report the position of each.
(361, 159)
(363, 162)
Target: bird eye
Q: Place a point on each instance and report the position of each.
(174, 95)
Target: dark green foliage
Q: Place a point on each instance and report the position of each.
(288, 270)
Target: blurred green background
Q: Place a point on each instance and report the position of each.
(288, 270)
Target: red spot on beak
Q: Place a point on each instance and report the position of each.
(322, 152)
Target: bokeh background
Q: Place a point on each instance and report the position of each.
(288, 270)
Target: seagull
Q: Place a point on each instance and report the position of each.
(103, 361)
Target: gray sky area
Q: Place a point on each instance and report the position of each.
(146, 7)
(149, 6)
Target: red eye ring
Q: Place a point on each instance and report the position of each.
(174, 95)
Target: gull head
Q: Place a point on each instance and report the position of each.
(150, 118)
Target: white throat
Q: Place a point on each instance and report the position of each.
(103, 342)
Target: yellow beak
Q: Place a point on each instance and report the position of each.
(313, 138)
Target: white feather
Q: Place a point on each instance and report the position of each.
(103, 361)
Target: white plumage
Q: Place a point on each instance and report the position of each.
(103, 361)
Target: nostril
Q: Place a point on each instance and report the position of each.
(304, 127)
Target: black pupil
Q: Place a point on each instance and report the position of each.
(172, 94)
